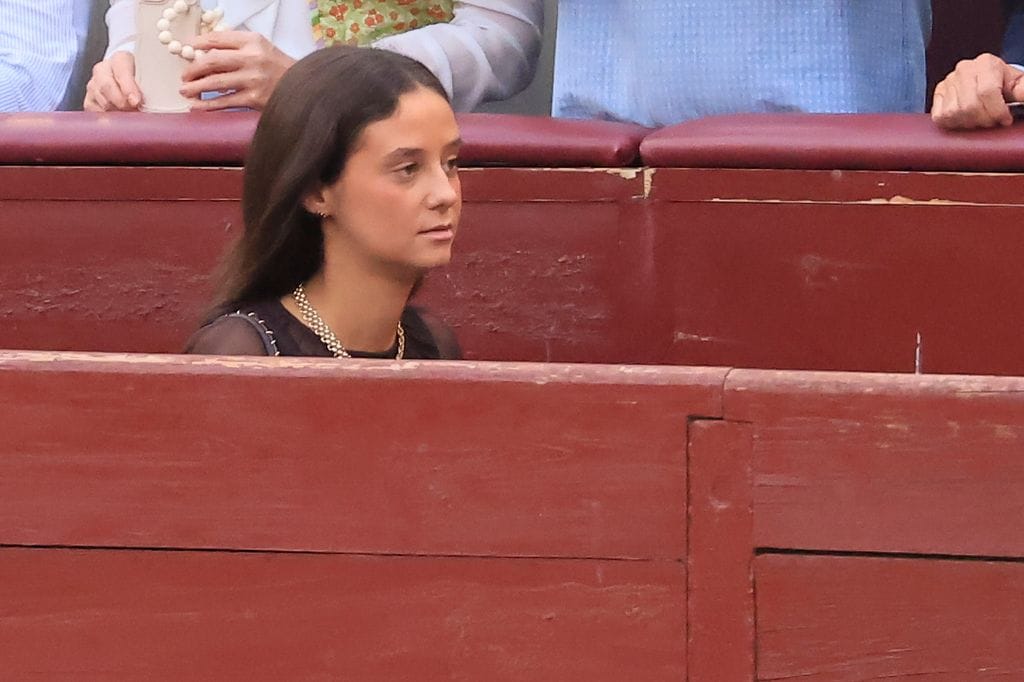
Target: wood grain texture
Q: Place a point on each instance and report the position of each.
(839, 286)
(119, 183)
(881, 463)
(101, 615)
(201, 183)
(551, 282)
(129, 269)
(365, 457)
(893, 188)
(830, 618)
(720, 583)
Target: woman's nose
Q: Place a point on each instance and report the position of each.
(444, 188)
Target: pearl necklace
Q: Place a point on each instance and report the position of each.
(210, 21)
(313, 320)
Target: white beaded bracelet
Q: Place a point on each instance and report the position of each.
(210, 21)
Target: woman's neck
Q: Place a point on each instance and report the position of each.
(361, 305)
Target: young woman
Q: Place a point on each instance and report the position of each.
(350, 195)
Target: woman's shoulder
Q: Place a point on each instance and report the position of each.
(429, 330)
(238, 333)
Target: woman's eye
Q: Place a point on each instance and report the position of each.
(408, 169)
(451, 164)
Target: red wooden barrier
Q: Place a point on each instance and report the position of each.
(90, 615)
(810, 268)
(501, 520)
(928, 465)
(174, 518)
(857, 618)
(794, 267)
(875, 518)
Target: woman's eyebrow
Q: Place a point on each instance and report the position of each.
(402, 153)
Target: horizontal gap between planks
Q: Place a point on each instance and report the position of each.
(763, 551)
(313, 552)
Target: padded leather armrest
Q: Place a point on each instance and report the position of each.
(83, 138)
(832, 141)
(510, 140)
(79, 138)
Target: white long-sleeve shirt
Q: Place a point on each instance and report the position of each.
(39, 43)
(487, 52)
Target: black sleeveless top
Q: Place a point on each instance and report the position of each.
(267, 328)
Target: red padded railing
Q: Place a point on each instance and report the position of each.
(222, 139)
(832, 141)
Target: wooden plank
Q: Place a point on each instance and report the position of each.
(834, 286)
(89, 275)
(366, 457)
(848, 618)
(584, 276)
(893, 188)
(118, 184)
(720, 587)
(92, 615)
(132, 274)
(879, 463)
(199, 183)
(530, 185)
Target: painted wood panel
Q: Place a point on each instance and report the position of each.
(547, 267)
(878, 463)
(835, 618)
(720, 554)
(841, 286)
(102, 614)
(369, 457)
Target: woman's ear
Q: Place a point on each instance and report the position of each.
(315, 201)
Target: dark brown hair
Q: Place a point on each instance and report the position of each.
(304, 138)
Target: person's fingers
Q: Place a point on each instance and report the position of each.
(969, 112)
(972, 95)
(214, 61)
(1013, 83)
(102, 80)
(222, 40)
(92, 103)
(215, 82)
(115, 99)
(107, 90)
(991, 107)
(938, 99)
(949, 116)
(122, 66)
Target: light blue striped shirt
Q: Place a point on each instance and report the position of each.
(39, 43)
(658, 62)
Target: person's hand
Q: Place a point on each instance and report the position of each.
(112, 86)
(242, 64)
(976, 93)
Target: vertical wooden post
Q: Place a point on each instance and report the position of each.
(720, 611)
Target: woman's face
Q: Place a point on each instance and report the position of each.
(398, 200)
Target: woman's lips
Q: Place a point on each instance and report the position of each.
(439, 233)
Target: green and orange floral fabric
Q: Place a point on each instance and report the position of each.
(361, 22)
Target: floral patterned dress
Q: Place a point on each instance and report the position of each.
(361, 22)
